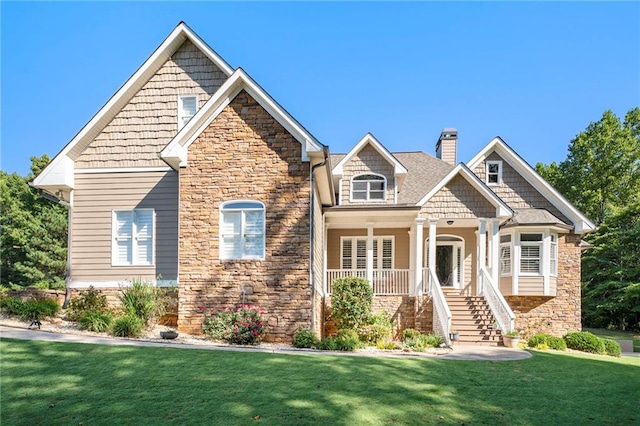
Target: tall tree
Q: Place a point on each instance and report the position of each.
(33, 238)
(602, 169)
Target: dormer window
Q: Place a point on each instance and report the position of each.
(368, 187)
(187, 108)
(494, 172)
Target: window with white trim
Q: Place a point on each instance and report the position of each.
(531, 254)
(553, 256)
(505, 254)
(368, 187)
(133, 235)
(354, 252)
(242, 230)
(187, 108)
(494, 172)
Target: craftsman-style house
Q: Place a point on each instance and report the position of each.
(193, 175)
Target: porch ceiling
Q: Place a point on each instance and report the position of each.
(379, 217)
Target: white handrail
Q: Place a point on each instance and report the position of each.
(441, 312)
(499, 307)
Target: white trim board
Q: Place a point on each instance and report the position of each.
(119, 284)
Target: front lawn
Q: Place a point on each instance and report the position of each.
(617, 335)
(62, 383)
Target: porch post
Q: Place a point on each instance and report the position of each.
(419, 285)
(494, 246)
(370, 253)
(412, 261)
(432, 244)
(482, 251)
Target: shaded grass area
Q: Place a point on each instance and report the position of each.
(617, 335)
(65, 383)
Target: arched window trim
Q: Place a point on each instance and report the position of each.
(368, 189)
(242, 232)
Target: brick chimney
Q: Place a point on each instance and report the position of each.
(446, 148)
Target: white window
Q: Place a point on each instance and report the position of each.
(494, 172)
(505, 255)
(368, 187)
(354, 253)
(242, 230)
(553, 256)
(530, 254)
(133, 234)
(187, 108)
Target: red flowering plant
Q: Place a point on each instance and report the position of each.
(242, 325)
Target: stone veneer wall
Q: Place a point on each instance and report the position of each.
(245, 154)
(562, 313)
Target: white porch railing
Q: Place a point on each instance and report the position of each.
(499, 306)
(385, 281)
(441, 312)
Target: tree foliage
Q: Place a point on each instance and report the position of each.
(601, 176)
(33, 238)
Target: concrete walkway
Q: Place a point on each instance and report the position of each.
(475, 353)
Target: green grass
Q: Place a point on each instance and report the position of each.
(48, 383)
(617, 335)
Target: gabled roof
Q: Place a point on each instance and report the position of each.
(399, 170)
(59, 173)
(502, 210)
(175, 153)
(580, 222)
(535, 217)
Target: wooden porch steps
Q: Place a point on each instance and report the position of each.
(472, 319)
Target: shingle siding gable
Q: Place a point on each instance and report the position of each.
(367, 160)
(458, 199)
(150, 120)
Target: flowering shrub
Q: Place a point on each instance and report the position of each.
(241, 326)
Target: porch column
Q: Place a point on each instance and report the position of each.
(482, 251)
(494, 247)
(413, 282)
(370, 252)
(419, 285)
(432, 244)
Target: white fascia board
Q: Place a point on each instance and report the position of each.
(59, 174)
(580, 222)
(239, 80)
(398, 168)
(502, 209)
(206, 49)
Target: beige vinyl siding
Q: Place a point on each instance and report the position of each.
(96, 196)
(150, 119)
(530, 286)
(401, 245)
(458, 199)
(506, 286)
(318, 241)
(515, 191)
(367, 160)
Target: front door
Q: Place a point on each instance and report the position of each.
(444, 265)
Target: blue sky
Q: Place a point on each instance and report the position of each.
(534, 73)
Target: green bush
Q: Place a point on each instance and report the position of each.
(351, 302)
(347, 340)
(127, 326)
(547, 341)
(328, 344)
(410, 333)
(91, 300)
(585, 342)
(611, 347)
(304, 338)
(241, 326)
(388, 345)
(98, 321)
(11, 305)
(144, 301)
(422, 341)
(38, 309)
(374, 333)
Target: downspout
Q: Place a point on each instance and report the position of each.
(325, 152)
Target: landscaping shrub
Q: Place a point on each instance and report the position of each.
(90, 301)
(547, 341)
(410, 333)
(328, 344)
(351, 302)
(388, 345)
(347, 340)
(144, 301)
(38, 309)
(611, 347)
(304, 338)
(585, 342)
(374, 333)
(11, 305)
(241, 326)
(127, 326)
(98, 321)
(422, 341)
